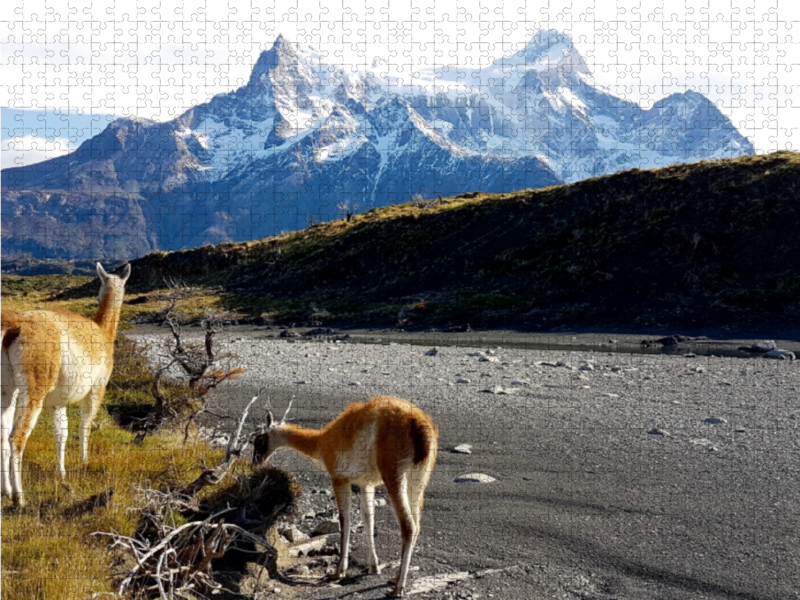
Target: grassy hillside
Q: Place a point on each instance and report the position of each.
(710, 243)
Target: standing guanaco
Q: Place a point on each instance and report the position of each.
(52, 359)
(384, 441)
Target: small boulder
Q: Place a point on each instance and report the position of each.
(432, 352)
(463, 449)
(474, 478)
(326, 527)
(780, 354)
(658, 431)
(764, 346)
(293, 534)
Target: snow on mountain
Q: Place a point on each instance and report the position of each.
(303, 135)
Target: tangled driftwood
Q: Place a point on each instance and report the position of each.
(178, 563)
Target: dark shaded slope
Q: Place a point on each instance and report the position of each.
(692, 245)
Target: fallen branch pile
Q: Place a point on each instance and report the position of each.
(177, 561)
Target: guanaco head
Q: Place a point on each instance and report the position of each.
(118, 281)
(263, 441)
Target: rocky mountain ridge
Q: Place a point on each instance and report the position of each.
(302, 137)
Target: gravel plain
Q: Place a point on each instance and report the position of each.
(617, 475)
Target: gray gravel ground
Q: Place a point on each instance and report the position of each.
(637, 476)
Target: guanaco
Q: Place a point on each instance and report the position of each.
(52, 359)
(384, 441)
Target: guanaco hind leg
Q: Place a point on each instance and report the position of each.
(343, 494)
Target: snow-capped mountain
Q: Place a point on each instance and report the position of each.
(303, 136)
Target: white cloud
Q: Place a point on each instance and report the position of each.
(20, 151)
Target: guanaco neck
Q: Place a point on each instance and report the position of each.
(300, 438)
(108, 312)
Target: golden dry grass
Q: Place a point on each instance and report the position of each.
(46, 552)
(47, 549)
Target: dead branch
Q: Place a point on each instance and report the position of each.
(233, 452)
(203, 366)
(171, 567)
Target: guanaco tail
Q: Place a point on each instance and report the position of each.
(52, 359)
(385, 441)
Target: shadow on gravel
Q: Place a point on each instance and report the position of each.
(625, 567)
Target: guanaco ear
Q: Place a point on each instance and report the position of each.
(126, 272)
(101, 273)
(269, 420)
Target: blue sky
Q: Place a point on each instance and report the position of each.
(156, 59)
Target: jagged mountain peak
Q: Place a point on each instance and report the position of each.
(545, 41)
(549, 50)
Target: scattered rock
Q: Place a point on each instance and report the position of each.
(355, 383)
(520, 382)
(499, 389)
(586, 367)
(294, 535)
(488, 359)
(474, 478)
(760, 346)
(715, 421)
(463, 449)
(305, 548)
(703, 442)
(658, 431)
(287, 334)
(463, 380)
(326, 527)
(671, 341)
(301, 570)
(379, 502)
(690, 355)
(780, 354)
(432, 352)
(319, 331)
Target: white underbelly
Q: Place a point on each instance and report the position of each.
(74, 384)
(76, 378)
